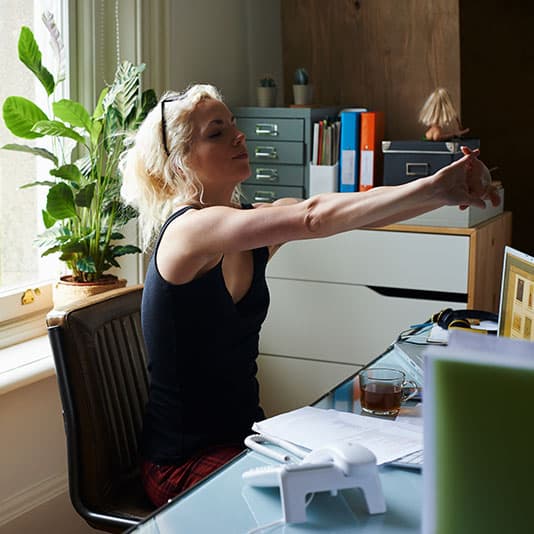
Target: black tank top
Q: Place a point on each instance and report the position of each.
(202, 350)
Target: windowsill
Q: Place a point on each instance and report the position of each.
(25, 363)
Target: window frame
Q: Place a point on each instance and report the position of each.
(21, 319)
(88, 29)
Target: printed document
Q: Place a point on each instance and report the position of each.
(314, 428)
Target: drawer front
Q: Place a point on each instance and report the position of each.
(268, 152)
(270, 193)
(272, 129)
(404, 260)
(402, 168)
(292, 175)
(288, 383)
(336, 322)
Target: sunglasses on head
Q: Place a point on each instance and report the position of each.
(164, 123)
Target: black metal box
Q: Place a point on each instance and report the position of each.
(405, 161)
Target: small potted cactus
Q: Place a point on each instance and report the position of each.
(266, 92)
(302, 90)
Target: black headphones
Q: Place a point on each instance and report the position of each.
(448, 318)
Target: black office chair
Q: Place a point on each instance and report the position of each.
(103, 382)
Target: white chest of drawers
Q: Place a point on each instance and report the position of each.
(337, 303)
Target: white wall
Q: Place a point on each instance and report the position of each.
(33, 463)
(229, 44)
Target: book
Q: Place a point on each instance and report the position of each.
(315, 149)
(325, 145)
(349, 149)
(371, 158)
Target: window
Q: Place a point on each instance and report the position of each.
(21, 266)
(95, 46)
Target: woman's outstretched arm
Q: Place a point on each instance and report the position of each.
(199, 236)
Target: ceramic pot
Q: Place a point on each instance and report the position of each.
(302, 94)
(65, 291)
(266, 97)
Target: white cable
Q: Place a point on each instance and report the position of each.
(261, 528)
(254, 442)
(279, 521)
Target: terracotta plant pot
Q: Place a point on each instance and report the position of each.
(66, 291)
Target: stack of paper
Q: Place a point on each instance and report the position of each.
(314, 428)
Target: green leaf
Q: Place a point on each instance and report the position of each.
(99, 109)
(148, 101)
(85, 196)
(96, 129)
(86, 265)
(30, 55)
(72, 247)
(60, 202)
(51, 250)
(124, 92)
(121, 250)
(73, 113)
(48, 238)
(48, 220)
(57, 129)
(116, 236)
(68, 172)
(36, 151)
(21, 115)
(46, 183)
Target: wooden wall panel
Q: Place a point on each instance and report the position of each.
(497, 73)
(391, 54)
(381, 54)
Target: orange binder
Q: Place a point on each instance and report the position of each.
(371, 158)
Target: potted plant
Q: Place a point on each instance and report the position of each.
(84, 214)
(302, 90)
(266, 92)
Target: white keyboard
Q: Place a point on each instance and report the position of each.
(414, 460)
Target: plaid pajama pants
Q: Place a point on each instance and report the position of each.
(163, 482)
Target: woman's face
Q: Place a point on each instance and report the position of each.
(218, 154)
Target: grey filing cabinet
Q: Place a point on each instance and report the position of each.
(279, 142)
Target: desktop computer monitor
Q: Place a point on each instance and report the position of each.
(516, 309)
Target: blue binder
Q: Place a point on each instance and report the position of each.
(349, 150)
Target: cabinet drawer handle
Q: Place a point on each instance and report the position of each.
(265, 152)
(267, 175)
(264, 196)
(417, 169)
(265, 128)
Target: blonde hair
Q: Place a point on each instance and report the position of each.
(438, 109)
(153, 181)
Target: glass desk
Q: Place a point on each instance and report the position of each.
(222, 503)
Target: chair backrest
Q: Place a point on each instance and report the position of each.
(100, 359)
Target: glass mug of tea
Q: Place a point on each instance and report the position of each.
(382, 390)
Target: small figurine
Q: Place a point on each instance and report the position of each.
(439, 114)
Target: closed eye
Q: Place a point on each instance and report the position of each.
(214, 134)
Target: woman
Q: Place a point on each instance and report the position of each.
(205, 294)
